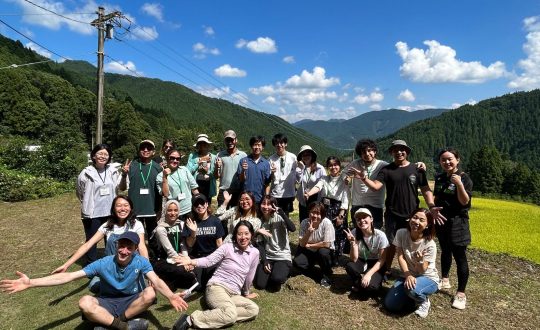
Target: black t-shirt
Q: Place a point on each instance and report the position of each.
(402, 185)
(446, 195)
(208, 231)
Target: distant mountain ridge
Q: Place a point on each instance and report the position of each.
(345, 133)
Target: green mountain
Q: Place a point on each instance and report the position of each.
(510, 123)
(345, 133)
(185, 109)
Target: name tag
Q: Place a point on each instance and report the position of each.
(144, 191)
(104, 191)
(181, 196)
(326, 201)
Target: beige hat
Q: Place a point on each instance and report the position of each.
(202, 138)
(230, 134)
(306, 148)
(361, 211)
(150, 142)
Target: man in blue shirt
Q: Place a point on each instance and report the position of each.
(121, 297)
(254, 170)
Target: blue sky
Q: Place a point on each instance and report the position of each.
(306, 59)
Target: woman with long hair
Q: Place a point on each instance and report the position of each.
(333, 193)
(96, 188)
(122, 219)
(453, 192)
(227, 293)
(246, 210)
(308, 173)
(276, 261)
(416, 251)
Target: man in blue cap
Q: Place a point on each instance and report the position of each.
(121, 296)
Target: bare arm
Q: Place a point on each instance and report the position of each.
(81, 251)
(178, 303)
(143, 251)
(24, 282)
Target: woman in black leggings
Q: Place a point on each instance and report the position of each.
(453, 190)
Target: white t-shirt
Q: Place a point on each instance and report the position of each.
(361, 194)
(119, 230)
(325, 233)
(374, 243)
(403, 240)
(284, 178)
(335, 188)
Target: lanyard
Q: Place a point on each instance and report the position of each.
(366, 246)
(177, 182)
(308, 177)
(176, 240)
(145, 180)
(104, 176)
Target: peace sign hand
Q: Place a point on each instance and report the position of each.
(125, 168)
(349, 234)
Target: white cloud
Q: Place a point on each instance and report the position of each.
(315, 79)
(373, 97)
(406, 96)
(228, 71)
(153, 9)
(405, 108)
(261, 45)
(289, 59)
(120, 67)
(209, 31)
(214, 92)
(530, 66)
(54, 22)
(438, 64)
(39, 50)
(201, 50)
(339, 113)
(270, 100)
(27, 32)
(457, 105)
(375, 107)
(145, 33)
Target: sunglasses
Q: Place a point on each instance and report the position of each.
(175, 158)
(149, 148)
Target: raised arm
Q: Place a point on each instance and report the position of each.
(24, 282)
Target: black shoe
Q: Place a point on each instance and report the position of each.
(182, 323)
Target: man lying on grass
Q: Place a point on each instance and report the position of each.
(121, 296)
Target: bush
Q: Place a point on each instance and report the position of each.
(16, 186)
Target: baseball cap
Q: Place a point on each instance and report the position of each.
(130, 236)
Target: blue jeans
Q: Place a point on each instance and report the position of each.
(399, 297)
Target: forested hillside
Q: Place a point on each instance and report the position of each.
(374, 124)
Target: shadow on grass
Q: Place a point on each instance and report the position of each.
(57, 323)
(67, 295)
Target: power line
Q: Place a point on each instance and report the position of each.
(125, 66)
(14, 66)
(43, 14)
(55, 13)
(35, 42)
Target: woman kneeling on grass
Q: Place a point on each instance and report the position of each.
(368, 245)
(453, 191)
(275, 251)
(227, 291)
(416, 253)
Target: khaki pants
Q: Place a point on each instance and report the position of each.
(226, 309)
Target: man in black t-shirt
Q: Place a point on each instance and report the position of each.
(402, 180)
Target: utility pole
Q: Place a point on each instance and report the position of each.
(104, 29)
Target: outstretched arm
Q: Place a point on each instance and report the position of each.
(24, 282)
(176, 301)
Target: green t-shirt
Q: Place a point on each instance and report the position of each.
(143, 189)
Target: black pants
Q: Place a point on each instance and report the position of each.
(306, 259)
(91, 226)
(286, 204)
(355, 269)
(303, 211)
(460, 255)
(280, 270)
(173, 275)
(150, 223)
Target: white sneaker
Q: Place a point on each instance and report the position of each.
(445, 284)
(423, 309)
(459, 302)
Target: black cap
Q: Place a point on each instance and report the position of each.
(199, 197)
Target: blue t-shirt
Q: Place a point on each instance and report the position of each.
(116, 281)
(258, 176)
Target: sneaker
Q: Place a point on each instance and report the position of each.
(459, 302)
(423, 309)
(182, 323)
(325, 282)
(444, 284)
(137, 324)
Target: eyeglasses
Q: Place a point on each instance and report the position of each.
(102, 154)
(245, 199)
(172, 159)
(417, 218)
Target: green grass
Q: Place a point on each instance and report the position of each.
(506, 227)
(503, 291)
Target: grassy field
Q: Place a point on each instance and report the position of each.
(503, 291)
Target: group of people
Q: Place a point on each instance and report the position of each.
(245, 241)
